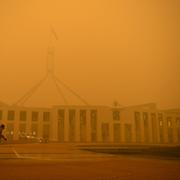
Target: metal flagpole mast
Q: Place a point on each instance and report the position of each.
(50, 74)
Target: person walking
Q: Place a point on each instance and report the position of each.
(2, 127)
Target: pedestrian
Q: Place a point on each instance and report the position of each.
(2, 127)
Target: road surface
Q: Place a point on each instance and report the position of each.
(67, 162)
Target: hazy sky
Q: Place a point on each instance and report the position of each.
(124, 50)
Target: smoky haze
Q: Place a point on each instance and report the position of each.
(106, 50)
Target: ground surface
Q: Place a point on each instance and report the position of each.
(68, 162)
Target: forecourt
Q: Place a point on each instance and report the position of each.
(68, 162)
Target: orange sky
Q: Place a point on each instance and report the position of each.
(125, 50)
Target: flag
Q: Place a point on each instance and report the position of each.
(54, 33)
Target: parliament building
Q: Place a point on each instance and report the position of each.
(141, 124)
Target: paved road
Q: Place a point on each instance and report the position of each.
(67, 162)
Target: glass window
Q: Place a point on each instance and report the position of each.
(116, 115)
(160, 116)
(169, 122)
(35, 116)
(145, 118)
(46, 131)
(61, 117)
(160, 123)
(46, 116)
(82, 114)
(146, 126)
(83, 125)
(93, 114)
(145, 115)
(11, 115)
(105, 132)
(72, 115)
(137, 124)
(61, 114)
(10, 131)
(137, 115)
(34, 129)
(178, 121)
(154, 127)
(23, 115)
(93, 124)
(117, 132)
(22, 130)
(128, 133)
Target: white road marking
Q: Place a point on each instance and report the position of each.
(70, 155)
(16, 153)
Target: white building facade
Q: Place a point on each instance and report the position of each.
(141, 124)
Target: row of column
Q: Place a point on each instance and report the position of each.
(147, 129)
(15, 127)
(155, 128)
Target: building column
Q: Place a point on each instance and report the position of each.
(16, 125)
(66, 126)
(165, 130)
(40, 124)
(111, 132)
(99, 129)
(158, 128)
(28, 122)
(122, 131)
(54, 125)
(150, 128)
(132, 130)
(77, 126)
(175, 140)
(142, 129)
(88, 128)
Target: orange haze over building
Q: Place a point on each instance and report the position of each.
(106, 50)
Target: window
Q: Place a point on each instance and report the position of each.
(116, 115)
(160, 123)
(178, 121)
(161, 131)
(93, 125)
(61, 117)
(11, 115)
(145, 118)
(93, 114)
(82, 125)
(146, 127)
(82, 114)
(46, 131)
(154, 127)
(10, 131)
(34, 129)
(72, 115)
(1, 114)
(105, 132)
(22, 131)
(145, 115)
(169, 122)
(160, 118)
(138, 126)
(35, 116)
(117, 132)
(128, 133)
(46, 116)
(137, 115)
(61, 114)
(23, 115)
(178, 128)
